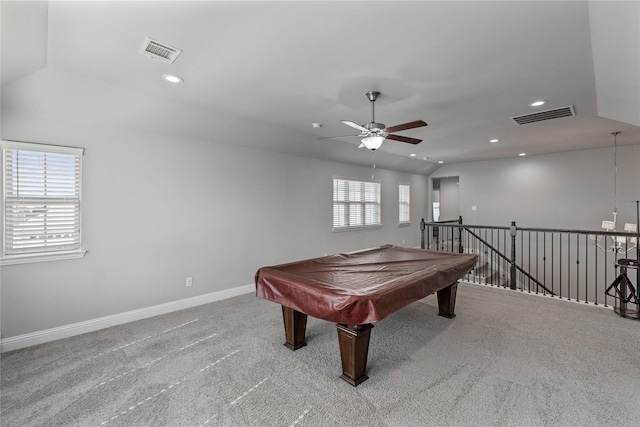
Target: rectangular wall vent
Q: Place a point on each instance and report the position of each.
(545, 115)
(158, 50)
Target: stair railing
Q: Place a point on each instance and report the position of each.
(514, 267)
(568, 264)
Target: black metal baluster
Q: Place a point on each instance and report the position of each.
(479, 252)
(605, 272)
(603, 265)
(491, 260)
(512, 272)
(522, 283)
(560, 262)
(497, 259)
(577, 267)
(529, 262)
(586, 269)
(460, 245)
(475, 245)
(487, 262)
(536, 261)
(569, 266)
(595, 261)
(495, 236)
(501, 249)
(553, 281)
(451, 239)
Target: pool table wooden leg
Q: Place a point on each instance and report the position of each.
(295, 325)
(447, 301)
(354, 348)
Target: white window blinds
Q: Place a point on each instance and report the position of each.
(404, 192)
(355, 203)
(41, 203)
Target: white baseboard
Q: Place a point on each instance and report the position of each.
(39, 337)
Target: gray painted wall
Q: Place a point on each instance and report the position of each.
(157, 209)
(247, 208)
(566, 190)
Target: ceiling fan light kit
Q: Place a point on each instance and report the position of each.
(373, 142)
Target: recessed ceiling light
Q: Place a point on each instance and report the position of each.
(537, 103)
(522, 154)
(494, 140)
(171, 78)
(316, 125)
(440, 161)
(412, 154)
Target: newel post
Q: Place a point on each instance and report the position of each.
(422, 227)
(512, 278)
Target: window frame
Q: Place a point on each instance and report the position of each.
(44, 254)
(402, 203)
(363, 204)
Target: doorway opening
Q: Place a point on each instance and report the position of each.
(446, 198)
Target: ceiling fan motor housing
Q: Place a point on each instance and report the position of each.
(374, 127)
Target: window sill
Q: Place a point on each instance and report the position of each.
(30, 258)
(404, 224)
(362, 227)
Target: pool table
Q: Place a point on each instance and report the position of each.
(357, 289)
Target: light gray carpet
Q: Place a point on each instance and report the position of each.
(507, 359)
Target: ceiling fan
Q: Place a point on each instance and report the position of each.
(373, 134)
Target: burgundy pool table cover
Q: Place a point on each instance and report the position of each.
(361, 287)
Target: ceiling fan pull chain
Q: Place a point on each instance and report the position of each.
(373, 172)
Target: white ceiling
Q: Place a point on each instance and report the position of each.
(258, 74)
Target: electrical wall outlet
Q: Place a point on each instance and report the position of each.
(189, 281)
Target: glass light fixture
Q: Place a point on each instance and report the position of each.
(373, 142)
(609, 225)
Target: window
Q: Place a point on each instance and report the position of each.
(41, 202)
(356, 204)
(404, 213)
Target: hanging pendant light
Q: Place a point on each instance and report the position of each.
(621, 244)
(615, 178)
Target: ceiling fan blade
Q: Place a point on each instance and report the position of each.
(404, 139)
(405, 126)
(340, 136)
(355, 125)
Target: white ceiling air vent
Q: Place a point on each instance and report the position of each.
(158, 50)
(545, 115)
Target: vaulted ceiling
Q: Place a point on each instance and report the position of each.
(258, 74)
